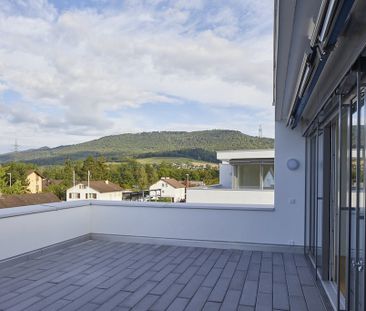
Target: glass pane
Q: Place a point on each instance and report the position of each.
(268, 176)
(361, 215)
(313, 193)
(334, 207)
(354, 201)
(343, 207)
(249, 176)
(319, 222)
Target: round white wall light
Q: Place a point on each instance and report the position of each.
(293, 164)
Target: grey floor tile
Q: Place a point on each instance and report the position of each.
(306, 276)
(123, 276)
(211, 306)
(219, 291)
(280, 296)
(265, 283)
(249, 294)
(179, 304)
(190, 289)
(168, 297)
(293, 285)
(264, 302)
(297, 303)
(78, 303)
(313, 298)
(231, 300)
(145, 303)
(114, 301)
(135, 297)
(162, 287)
(237, 282)
(199, 299)
(212, 277)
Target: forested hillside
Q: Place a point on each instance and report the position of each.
(199, 145)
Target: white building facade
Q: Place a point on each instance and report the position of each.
(168, 188)
(246, 177)
(95, 190)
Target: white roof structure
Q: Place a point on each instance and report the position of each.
(228, 155)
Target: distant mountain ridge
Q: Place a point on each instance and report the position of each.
(198, 145)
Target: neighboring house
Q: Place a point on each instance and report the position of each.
(34, 181)
(246, 177)
(97, 190)
(168, 188)
(15, 200)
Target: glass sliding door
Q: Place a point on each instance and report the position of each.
(335, 234)
(357, 211)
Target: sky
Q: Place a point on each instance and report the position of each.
(76, 70)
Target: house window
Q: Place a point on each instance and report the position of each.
(91, 195)
(74, 195)
(249, 176)
(254, 176)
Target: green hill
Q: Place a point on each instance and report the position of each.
(198, 145)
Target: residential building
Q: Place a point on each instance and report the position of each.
(246, 177)
(168, 188)
(15, 200)
(95, 190)
(319, 98)
(34, 179)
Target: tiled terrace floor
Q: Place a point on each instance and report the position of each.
(99, 275)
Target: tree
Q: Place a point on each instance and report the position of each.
(142, 178)
(16, 187)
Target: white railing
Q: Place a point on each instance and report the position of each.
(25, 229)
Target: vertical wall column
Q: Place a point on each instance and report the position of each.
(290, 184)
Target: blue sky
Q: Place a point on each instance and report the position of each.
(72, 71)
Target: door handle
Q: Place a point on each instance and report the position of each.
(358, 265)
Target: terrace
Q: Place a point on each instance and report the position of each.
(101, 255)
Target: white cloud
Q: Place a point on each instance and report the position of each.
(87, 61)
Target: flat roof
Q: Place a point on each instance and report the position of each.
(227, 155)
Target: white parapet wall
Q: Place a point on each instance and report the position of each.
(229, 196)
(27, 229)
(208, 224)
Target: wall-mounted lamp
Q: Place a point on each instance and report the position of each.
(293, 164)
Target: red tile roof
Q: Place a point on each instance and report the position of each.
(27, 199)
(103, 186)
(173, 182)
